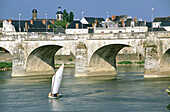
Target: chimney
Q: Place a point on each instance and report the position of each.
(48, 26)
(123, 22)
(53, 22)
(77, 26)
(135, 19)
(10, 20)
(26, 27)
(96, 22)
(93, 25)
(31, 21)
(113, 17)
(44, 21)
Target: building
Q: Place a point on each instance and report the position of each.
(59, 14)
(115, 21)
(161, 24)
(28, 26)
(34, 14)
(91, 20)
(120, 24)
(86, 25)
(76, 27)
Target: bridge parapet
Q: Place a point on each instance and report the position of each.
(96, 36)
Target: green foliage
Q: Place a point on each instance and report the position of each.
(58, 64)
(70, 59)
(65, 15)
(67, 19)
(51, 26)
(125, 62)
(140, 62)
(61, 23)
(71, 17)
(5, 64)
(168, 106)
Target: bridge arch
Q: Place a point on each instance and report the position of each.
(8, 48)
(103, 60)
(165, 63)
(41, 59)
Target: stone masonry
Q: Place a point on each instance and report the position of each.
(95, 53)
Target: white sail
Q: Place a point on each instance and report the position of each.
(56, 80)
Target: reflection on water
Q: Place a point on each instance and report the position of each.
(130, 92)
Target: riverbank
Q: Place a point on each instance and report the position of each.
(130, 63)
(69, 60)
(5, 66)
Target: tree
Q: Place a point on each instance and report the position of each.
(65, 15)
(61, 23)
(71, 17)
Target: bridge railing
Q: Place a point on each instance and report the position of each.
(96, 36)
(112, 36)
(39, 37)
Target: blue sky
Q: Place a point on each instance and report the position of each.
(9, 9)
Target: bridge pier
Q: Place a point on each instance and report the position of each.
(19, 61)
(152, 66)
(100, 67)
(81, 68)
(151, 62)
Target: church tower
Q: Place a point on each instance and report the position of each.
(59, 14)
(34, 14)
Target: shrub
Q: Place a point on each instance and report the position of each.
(70, 59)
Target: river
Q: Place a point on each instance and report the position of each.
(130, 92)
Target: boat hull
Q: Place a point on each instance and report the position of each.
(53, 97)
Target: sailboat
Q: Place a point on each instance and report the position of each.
(56, 81)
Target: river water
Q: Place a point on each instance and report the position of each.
(130, 92)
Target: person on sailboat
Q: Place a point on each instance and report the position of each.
(53, 95)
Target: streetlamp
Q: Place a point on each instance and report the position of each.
(107, 14)
(46, 22)
(82, 19)
(19, 22)
(152, 17)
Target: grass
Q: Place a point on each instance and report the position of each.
(140, 62)
(125, 62)
(129, 62)
(5, 64)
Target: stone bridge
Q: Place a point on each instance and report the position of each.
(95, 53)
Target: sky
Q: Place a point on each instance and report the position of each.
(142, 9)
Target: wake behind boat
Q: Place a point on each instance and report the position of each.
(56, 82)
